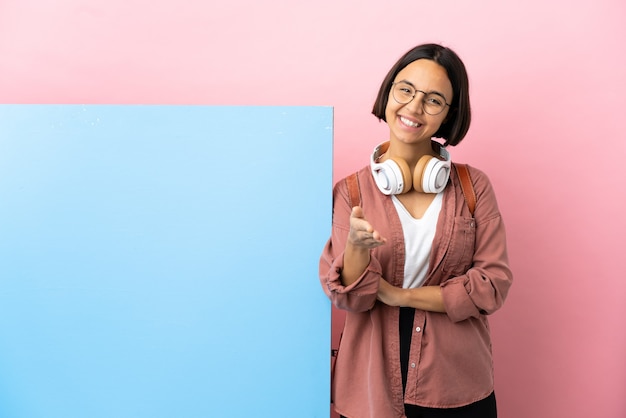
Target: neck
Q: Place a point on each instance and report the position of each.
(410, 153)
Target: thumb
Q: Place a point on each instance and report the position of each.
(357, 212)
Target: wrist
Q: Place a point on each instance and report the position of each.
(403, 297)
(357, 250)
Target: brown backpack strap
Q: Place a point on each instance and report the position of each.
(354, 191)
(466, 186)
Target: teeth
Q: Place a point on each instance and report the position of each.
(408, 122)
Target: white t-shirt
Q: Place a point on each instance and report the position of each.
(418, 240)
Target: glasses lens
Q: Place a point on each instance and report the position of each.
(403, 93)
(434, 104)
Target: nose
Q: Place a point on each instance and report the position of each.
(417, 104)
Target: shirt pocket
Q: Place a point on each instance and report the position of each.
(460, 254)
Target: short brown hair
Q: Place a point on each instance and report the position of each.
(457, 122)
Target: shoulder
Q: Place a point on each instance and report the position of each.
(486, 204)
(480, 180)
(342, 190)
(363, 176)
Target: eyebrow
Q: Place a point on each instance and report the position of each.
(428, 92)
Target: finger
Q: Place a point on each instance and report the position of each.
(362, 226)
(377, 237)
(372, 240)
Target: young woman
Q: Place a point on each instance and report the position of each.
(415, 269)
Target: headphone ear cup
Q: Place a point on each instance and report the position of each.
(392, 176)
(405, 173)
(431, 174)
(418, 174)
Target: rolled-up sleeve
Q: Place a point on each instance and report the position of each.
(484, 287)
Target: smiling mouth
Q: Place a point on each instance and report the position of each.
(410, 123)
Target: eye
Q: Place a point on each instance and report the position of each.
(434, 100)
(405, 89)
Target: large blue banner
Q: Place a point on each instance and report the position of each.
(161, 261)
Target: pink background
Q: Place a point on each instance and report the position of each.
(549, 92)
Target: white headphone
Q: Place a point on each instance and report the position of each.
(393, 175)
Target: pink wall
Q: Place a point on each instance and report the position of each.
(549, 94)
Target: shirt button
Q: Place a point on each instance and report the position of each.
(418, 329)
(412, 365)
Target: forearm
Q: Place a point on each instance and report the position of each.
(355, 261)
(426, 298)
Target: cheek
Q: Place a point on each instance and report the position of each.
(391, 108)
(439, 124)
(388, 113)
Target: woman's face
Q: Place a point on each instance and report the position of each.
(409, 123)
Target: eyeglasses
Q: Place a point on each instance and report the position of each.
(434, 103)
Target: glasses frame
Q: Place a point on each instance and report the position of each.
(393, 83)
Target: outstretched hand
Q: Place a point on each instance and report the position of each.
(362, 233)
